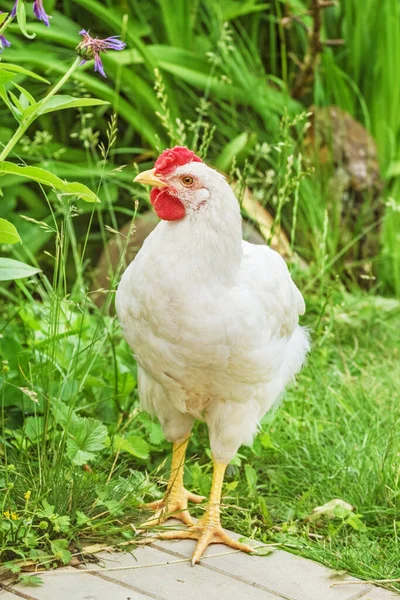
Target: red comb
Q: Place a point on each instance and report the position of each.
(172, 158)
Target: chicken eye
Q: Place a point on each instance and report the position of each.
(187, 181)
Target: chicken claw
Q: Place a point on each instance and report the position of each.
(173, 505)
(175, 502)
(207, 530)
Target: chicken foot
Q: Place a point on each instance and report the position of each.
(175, 502)
(208, 529)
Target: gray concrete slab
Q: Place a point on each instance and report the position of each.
(70, 584)
(280, 572)
(168, 577)
(4, 595)
(162, 571)
(380, 594)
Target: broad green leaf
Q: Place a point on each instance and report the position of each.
(47, 510)
(11, 566)
(156, 434)
(33, 427)
(251, 477)
(266, 441)
(60, 550)
(11, 269)
(21, 18)
(46, 178)
(87, 437)
(8, 233)
(3, 17)
(61, 523)
(63, 102)
(340, 512)
(356, 523)
(232, 149)
(30, 580)
(8, 67)
(132, 444)
(233, 10)
(81, 518)
(6, 76)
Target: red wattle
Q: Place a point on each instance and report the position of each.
(167, 207)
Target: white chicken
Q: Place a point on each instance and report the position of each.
(213, 324)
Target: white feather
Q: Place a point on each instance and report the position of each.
(212, 320)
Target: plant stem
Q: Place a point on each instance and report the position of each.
(38, 110)
(5, 24)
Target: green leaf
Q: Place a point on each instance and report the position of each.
(63, 102)
(251, 477)
(62, 414)
(59, 549)
(47, 510)
(11, 566)
(233, 10)
(81, 518)
(19, 109)
(232, 149)
(33, 427)
(21, 18)
(132, 444)
(87, 437)
(26, 99)
(8, 233)
(61, 523)
(8, 67)
(11, 269)
(46, 178)
(5, 77)
(266, 441)
(262, 551)
(3, 17)
(113, 506)
(356, 523)
(32, 580)
(341, 512)
(156, 434)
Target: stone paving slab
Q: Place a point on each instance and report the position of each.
(380, 594)
(162, 571)
(280, 572)
(70, 584)
(7, 596)
(178, 580)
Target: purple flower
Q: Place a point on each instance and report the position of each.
(4, 43)
(14, 9)
(90, 49)
(38, 11)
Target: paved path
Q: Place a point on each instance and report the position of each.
(161, 571)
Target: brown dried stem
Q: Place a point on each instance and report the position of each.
(306, 72)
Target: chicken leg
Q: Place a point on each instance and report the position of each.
(208, 529)
(175, 502)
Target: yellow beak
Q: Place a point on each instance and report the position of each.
(149, 178)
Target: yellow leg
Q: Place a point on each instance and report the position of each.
(208, 529)
(175, 502)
